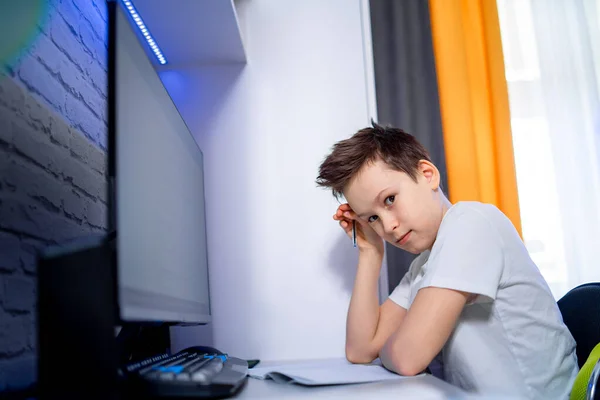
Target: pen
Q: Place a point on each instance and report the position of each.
(354, 233)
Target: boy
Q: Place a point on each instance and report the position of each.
(473, 292)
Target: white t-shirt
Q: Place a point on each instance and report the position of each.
(511, 340)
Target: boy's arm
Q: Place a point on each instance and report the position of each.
(425, 329)
(369, 325)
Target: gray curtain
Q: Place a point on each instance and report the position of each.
(406, 85)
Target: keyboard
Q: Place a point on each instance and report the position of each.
(189, 373)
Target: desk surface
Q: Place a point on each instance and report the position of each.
(419, 387)
(423, 386)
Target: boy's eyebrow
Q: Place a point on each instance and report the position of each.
(379, 195)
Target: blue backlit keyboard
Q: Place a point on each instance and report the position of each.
(189, 373)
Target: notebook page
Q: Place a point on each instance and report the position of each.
(324, 372)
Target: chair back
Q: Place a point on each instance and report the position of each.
(580, 309)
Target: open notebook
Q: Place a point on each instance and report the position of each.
(324, 372)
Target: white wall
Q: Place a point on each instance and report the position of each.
(281, 269)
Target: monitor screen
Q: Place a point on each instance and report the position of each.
(157, 191)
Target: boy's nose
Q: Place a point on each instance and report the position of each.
(390, 226)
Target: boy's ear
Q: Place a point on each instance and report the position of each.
(430, 173)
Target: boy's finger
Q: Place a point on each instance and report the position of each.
(338, 216)
(345, 207)
(350, 214)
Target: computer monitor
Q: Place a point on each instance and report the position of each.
(156, 180)
(150, 271)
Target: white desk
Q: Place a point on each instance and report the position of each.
(420, 387)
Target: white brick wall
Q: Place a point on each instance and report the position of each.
(52, 162)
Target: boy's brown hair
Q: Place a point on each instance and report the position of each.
(398, 149)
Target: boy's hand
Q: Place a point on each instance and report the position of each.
(366, 238)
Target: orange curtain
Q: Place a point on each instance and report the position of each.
(474, 104)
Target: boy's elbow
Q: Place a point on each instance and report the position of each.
(408, 368)
(357, 357)
(401, 362)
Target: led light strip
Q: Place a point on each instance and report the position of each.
(138, 20)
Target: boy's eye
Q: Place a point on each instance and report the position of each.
(373, 218)
(389, 200)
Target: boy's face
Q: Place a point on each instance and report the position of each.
(403, 212)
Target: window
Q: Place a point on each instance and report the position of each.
(552, 64)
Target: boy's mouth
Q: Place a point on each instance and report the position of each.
(404, 238)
